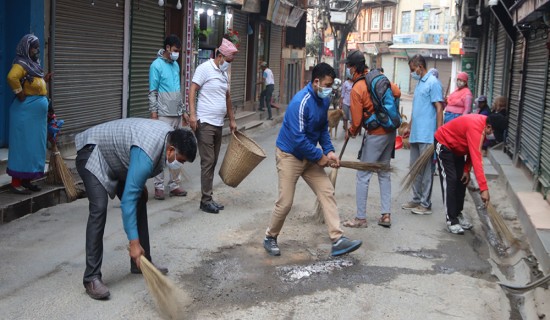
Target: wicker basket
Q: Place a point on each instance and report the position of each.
(241, 157)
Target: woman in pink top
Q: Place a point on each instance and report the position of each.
(460, 101)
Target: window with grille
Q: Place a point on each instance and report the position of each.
(375, 23)
(388, 17)
(405, 22)
(418, 20)
(434, 20)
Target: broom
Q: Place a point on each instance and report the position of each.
(365, 166)
(418, 167)
(332, 176)
(59, 173)
(500, 226)
(171, 300)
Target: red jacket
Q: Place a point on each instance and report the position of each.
(464, 136)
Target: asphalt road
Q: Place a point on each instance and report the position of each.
(414, 270)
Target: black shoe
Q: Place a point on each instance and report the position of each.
(96, 289)
(209, 207)
(345, 245)
(270, 245)
(134, 269)
(19, 190)
(30, 186)
(217, 205)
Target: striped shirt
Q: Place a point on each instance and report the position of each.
(214, 85)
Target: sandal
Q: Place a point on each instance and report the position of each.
(385, 220)
(356, 223)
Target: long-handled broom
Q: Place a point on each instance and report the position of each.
(417, 167)
(59, 173)
(332, 176)
(171, 300)
(500, 226)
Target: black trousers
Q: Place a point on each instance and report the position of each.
(99, 198)
(451, 169)
(265, 98)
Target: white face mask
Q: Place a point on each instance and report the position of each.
(174, 56)
(460, 83)
(174, 165)
(490, 136)
(224, 66)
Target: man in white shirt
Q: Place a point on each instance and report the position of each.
(207, 115)
(265, 96)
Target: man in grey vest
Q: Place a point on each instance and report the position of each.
(117, 158)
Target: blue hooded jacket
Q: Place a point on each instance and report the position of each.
(305, 125)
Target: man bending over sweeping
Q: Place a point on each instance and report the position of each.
(117, 158)
(464, 136)
(304, 126)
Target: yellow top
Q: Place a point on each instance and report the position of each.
(36, 88)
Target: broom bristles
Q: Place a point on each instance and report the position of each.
(365, 166)
(59, 173)
(418, 167)
(500, 226)
(171, 300)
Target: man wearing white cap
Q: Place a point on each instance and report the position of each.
(265, 96)
(207, 115)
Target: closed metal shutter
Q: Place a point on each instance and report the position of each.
(533, 103)
(402, 76)
(445, 68)
(500, 58)
(88, 53)
(515, 95)
(275, 51)
(490, 63)
(545, 147)
(147, 38)
(238, 66)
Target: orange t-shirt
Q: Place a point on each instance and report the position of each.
(361, 101)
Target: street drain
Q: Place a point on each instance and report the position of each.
(296, 273)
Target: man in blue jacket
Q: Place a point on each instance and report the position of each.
(304, 126)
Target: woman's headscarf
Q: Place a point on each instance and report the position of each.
(22, 57)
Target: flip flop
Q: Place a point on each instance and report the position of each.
(356, 223)
(385, 220)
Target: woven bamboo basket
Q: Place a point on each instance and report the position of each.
(241, 157)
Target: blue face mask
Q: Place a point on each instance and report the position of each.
(348, 73)
(415, 75)
(325, 92)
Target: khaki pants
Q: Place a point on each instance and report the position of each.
(209, 141)
(174, 183)
(289, 169)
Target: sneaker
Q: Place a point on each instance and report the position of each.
(421, 210)
(159, 194)
(464, 223)
(455, 228)
(270, 245)
(409, 205)
(345, 245)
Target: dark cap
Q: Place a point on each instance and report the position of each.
(355, 57)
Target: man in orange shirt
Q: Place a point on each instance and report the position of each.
(378, 144)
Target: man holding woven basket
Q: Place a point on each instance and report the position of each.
(304, 126)
(117, 158)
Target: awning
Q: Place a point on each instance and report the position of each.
(284, 13)
(374, 47)
(437, 51)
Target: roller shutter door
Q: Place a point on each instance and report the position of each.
(490, 63)
(500, 58)
(403, 75)
(515, 96)
(444, 67)
(275, 51)
(147, 37)
(545, 147)
(533, 103)
(88, 53)
(238, 66)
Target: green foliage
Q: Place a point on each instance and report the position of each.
(313, 46)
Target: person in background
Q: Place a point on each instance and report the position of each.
(460, 101)
(500, 106)
(458, 148)
(345, 98)
(28, 117)
(305, 125)
(166, 104)
(267, 92)
(427, 116)
(377, 145)
(482, 106)
(207, 116)
(117, 158)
